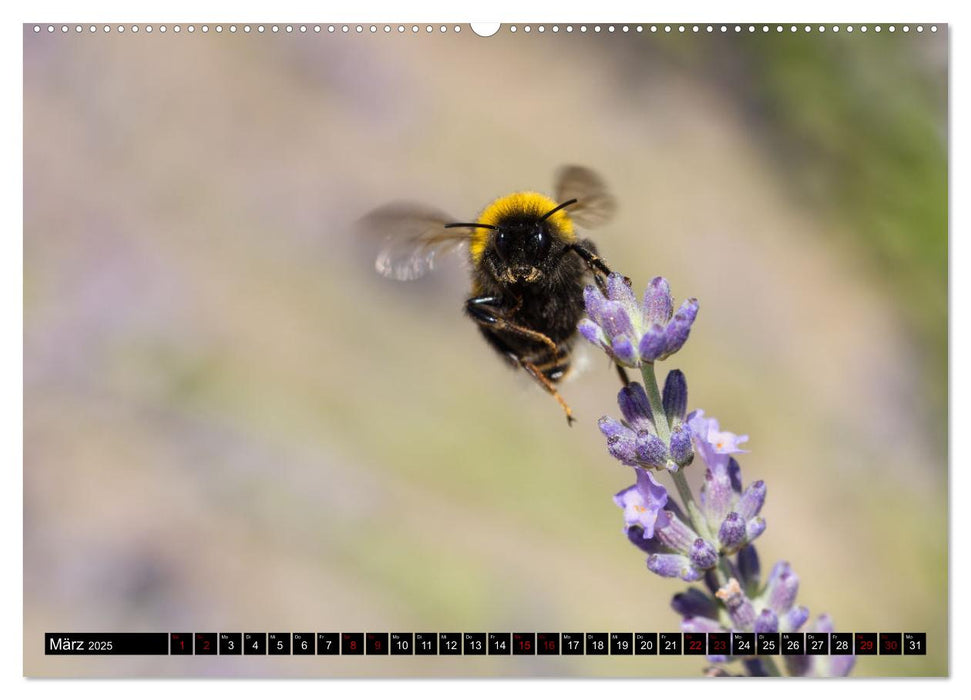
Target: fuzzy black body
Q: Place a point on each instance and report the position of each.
(531, 277)
(551, 309)
(528, 267)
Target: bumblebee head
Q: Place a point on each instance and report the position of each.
(518, 237)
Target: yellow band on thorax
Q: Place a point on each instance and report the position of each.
(518, 203)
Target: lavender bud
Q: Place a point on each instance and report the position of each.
(658, 302)
(622, 447)
(748, 568)
(633, 403)
(675, 396)
(751, 501)
(796, 618)
(780, 592)
(635, 533)
(779, 568)
(624, 351)
(615, 320)
(717, 496)
(691, 574)
(617, 290)
(593, 301)
(676, 334)
(651, 346)
(682, 451)
(766, 622)
(824, 623)
(651, 449)
(673, 566)
(735, 474)
(592, 332)
(674, 534)
(703, 554)
(731, 534)
(611, 428)
(687, 312)
(694, 603)
(754, 528)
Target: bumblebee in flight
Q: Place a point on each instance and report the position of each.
(528, 266)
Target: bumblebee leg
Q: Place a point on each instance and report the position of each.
(601, 283)
(541, 379)
(594, 262)
(487, 311)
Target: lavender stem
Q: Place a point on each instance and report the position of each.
(657, 407)
(664, 433)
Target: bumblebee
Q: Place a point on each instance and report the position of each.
(528, 266)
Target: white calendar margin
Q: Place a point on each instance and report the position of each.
(603, 11)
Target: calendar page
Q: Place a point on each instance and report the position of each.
(517, 350)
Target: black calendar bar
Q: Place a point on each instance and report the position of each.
(118, 643)
(494, 644)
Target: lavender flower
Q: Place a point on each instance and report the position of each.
(705, 539)
(728, 511)
(730, 516)
(636, 440)
(630, 333)
(714, 445)
(683, 553)
(642, 502)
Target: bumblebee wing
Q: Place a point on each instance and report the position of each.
(413, 236)
(595, 205)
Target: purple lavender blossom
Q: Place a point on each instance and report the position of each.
(695, 603)
(642, 502)
(714, 445)
(635, 440)
(728, 511)
(729, 564)
(673, 566)
(682, 552)
(675, 397)
(633, 334)
(710, 537)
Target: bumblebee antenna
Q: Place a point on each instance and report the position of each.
(488, 226)
(557, 208)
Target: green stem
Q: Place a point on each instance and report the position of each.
(657, 407)
(663, 428)
(770, 666)
(723, 571)
(683, 489)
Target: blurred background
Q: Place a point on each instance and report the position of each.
(232, 423)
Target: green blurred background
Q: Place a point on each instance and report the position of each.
(232, 423)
